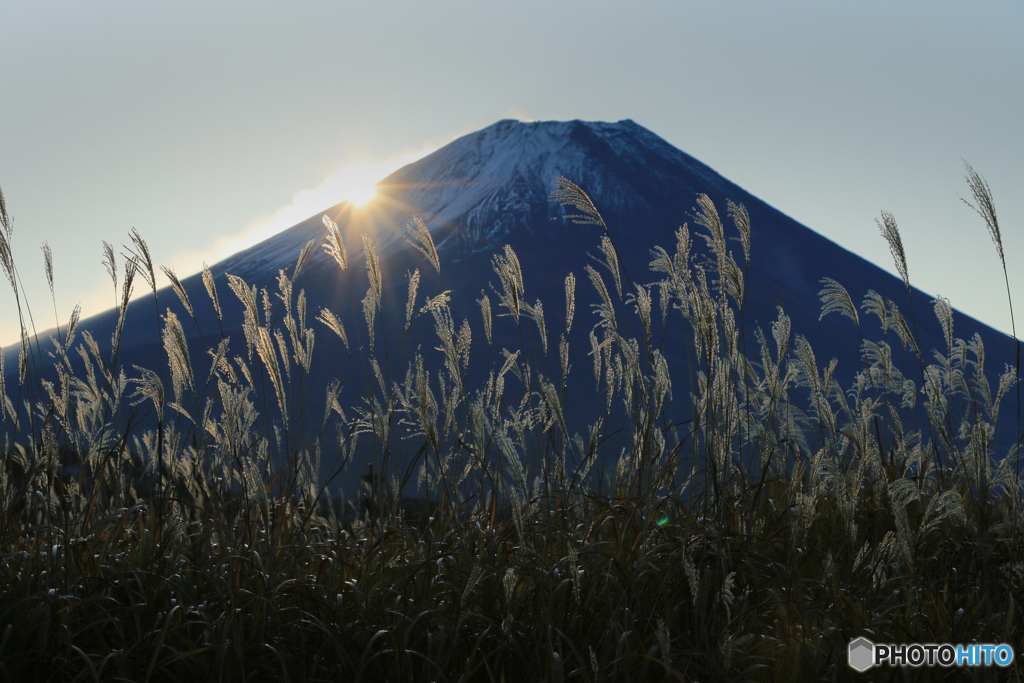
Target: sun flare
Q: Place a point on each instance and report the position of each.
(355, 182)
(361, 194)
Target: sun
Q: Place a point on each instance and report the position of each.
(356, 182)
(359, 193)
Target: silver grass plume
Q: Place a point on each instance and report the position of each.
(463, 343)
(729, 275)
(707, 216)
(902, 328)
(110, 263)
(946, 505)
(243, 368)
(218, 360)
(420, 237)
(642, 300)
(211, 289)
(874, 304)
(595, 352)
(985, 207)
(611, 262)
(410, 302)
(6, 257)
(436, 303)
(510, 273)
(508, 583)
(300, 307)
(127, 285)
(303, 257)
(537, 313)
(741, 218)
(267, 353)
(284, 293)
(944, 312)
(23, 356)
(5, 219)
(178, 289)
(604, 309)
(485, 313)
(568, 193)
(781, 329)
(902, 492)
(282, 346)
(676, 271)
(373, 269)
(891, 232)
(509, 364)
(613, 376)
(1006, 380)
(444, 327)
(570, 300)
(76, 313)
(661, 262)
(835, 299)
(149, 387)
(177, 355)
(369, 312)
(7, 260)
(48, 264)
(563, 357)
(335, 246)
(140, 254)
(251, 312)
(662, 379)
(512, 269)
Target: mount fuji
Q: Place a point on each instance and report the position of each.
(488, 190)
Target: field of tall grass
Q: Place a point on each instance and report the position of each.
(751, 537)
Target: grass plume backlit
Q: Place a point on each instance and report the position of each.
(750, 538)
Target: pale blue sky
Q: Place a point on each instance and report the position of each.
(198, 121)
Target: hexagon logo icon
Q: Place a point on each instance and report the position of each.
(861, 654)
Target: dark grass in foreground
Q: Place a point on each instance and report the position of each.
(750, 539)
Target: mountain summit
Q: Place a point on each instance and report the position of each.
(492, 187)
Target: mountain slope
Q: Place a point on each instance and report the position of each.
(490, 189)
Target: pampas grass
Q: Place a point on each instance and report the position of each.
(748, 533)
